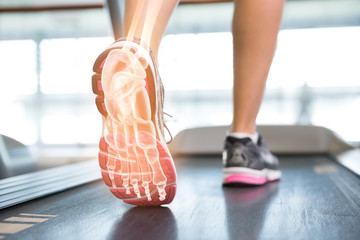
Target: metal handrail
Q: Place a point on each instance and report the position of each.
(39, 8)
(49, 8)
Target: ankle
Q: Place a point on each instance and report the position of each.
(248, 129)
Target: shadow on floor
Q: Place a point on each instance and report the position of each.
(146, 223)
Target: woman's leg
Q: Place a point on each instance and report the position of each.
(255, 28)
(247, 160)
(147, 20)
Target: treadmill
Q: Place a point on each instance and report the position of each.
(318, 196)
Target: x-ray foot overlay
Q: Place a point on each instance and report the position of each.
(133, 160)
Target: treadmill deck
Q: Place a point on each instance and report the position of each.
(315, 199)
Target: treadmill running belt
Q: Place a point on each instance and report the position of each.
(315, 199)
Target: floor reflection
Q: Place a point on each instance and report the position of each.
(146, 223)
(246, 208)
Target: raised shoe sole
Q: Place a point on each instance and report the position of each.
(135, 161)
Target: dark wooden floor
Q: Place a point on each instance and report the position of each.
(316, 199)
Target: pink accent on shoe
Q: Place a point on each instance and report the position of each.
(99, 87)
(247, 179)
(102, 64)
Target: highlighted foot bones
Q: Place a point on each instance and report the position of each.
(132, 153)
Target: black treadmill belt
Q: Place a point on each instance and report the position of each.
(315, 199)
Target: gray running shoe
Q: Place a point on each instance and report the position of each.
(249, 163)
